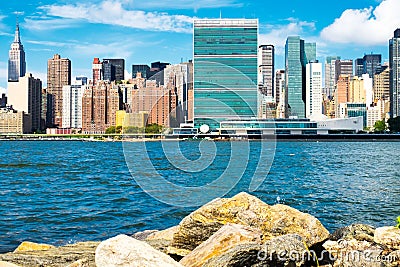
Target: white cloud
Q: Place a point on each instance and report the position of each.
(114, 12)
(184, 4)
(40, 24)
(366, 26)
(277, 34)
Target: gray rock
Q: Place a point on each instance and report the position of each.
(359, 232)
(142, 236)
(284, 251)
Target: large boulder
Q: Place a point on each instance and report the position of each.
(246, 210)
(80, 253)
(388, 236)
(224, 239)
(126, 251)
(283, 251)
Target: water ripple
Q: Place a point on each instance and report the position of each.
(65, 192)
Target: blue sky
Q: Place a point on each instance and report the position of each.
(147, 31)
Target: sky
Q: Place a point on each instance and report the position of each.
(142, 32)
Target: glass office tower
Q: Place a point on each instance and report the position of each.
(225, 70)
(394, 65)
(297, 55)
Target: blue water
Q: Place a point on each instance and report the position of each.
(66, 192)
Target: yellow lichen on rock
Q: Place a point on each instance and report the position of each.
(30, 246)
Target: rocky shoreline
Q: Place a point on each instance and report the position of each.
(233, 232)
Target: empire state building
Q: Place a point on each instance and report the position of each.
(16, 61)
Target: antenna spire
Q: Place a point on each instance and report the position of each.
(17, 38)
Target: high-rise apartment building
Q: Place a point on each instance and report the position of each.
(266, 71)
(180, 76)
(280, 93)
(159, 102)
(313, 89)
(16, 59)
(394, 65)
(297, 55)
(97, 69)
(382, 84)
(342, 92)
(58, 75)
(225, 70)
(330, 73)
(100, 104)
(343, 67)
(358, 89)
(72, 105)
(26, 95)
(114, 69)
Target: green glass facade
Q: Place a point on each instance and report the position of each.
(225, 70)
(297, 55)
(357, 110)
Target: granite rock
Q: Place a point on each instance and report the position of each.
(223, 240)
(247, 210)
(388, 236)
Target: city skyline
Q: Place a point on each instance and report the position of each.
(147, 32)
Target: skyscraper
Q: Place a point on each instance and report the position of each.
(26, 95)
(394, 65)
(359, 67)
(372, 64)
(342, 92)
(143, 69)
(100, 104)
(97, 69)
(114, 69)
(280, 93)
(16, 60)
(343, 67)
(266, 71)
(330, 75)
(297, 55)
(225, 70)
(72, 104)
(313, 89)
(58, 75)
(382, 83)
